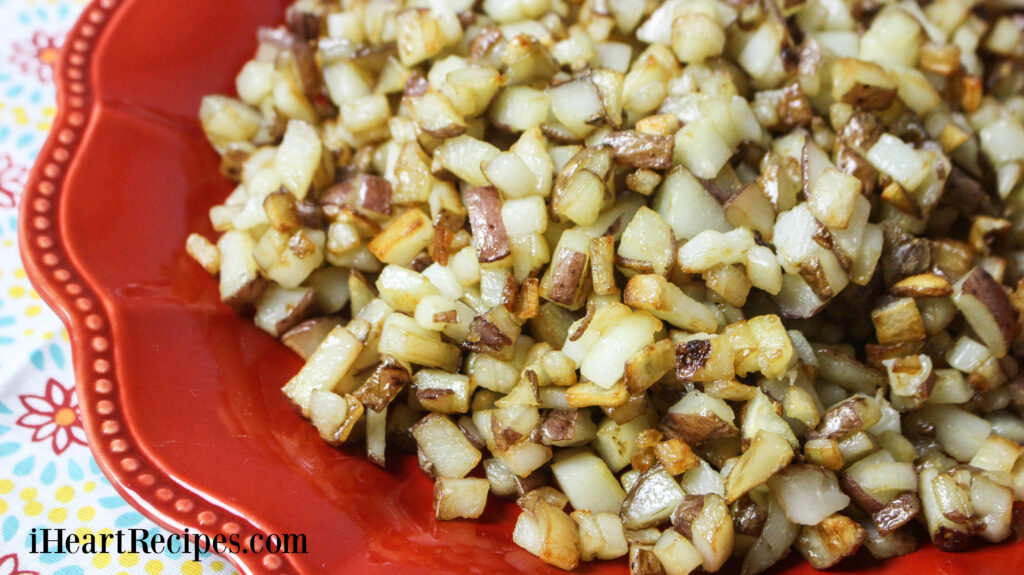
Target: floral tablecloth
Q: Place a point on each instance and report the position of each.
(48, 478)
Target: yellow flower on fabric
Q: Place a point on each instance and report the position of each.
(65, 493)
(101, 560)
(33, 508)
(57, 515)
(86, 513)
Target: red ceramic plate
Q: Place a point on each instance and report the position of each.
(180, 397)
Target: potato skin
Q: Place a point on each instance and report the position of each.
(640, 150)
(489, 235)
(980, 285)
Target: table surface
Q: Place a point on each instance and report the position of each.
(48, 478)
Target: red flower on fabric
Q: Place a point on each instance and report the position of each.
(12, 181)
(9, 566)
(54, 416)
(38, 55)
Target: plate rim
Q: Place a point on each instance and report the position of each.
(67, 289)
(61, 283)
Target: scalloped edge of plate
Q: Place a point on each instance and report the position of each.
(62, 285)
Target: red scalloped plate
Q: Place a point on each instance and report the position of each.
(179, 396)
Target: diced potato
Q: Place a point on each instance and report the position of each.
(698, 417)
(328, 365)
(986, 307)
(334, 416)
(442, 392)
(464, 156)
(768, 453)
(403, 289)
(687, 207)
(701, 480)
(456, 498)
(376, 436)
(406, 340)
(702, 357)
(331, 286)
(204, 252)
(710, 248)
(290, 259)
(997, 454)
(365, 113)
(713, 532)
(648, 365)
(894, 38)
(240, 283)
(586, 394)
(896, 158)
(523, 458)
(993, 503)
(279, 310)
(520, 108)
(616, 443)
(943, 499)
(510, 174)
(588, 483)
(962, 434)
(695, 37)
(601, 535)
(577, 105)
(434, 204)
(651, 500)
(444, 445)
(1000, 139)
(777, 535)
(226, 120)
(833, 196)
(701, 148)
(550, 534)
(566, 280)
(304, 338)
(862, 84)
(762, 414)
(420, 34)
(403, 239)
(677, 555)
(655, 294)
(605, 364)
(916, 91)
(830, 541)
(675, 456)
(797, 485)
(490, 236)
(897, 322)
(298, 157)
